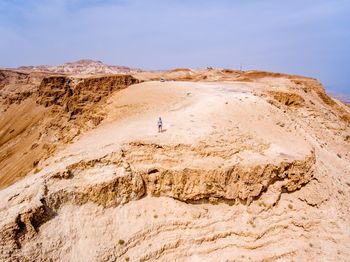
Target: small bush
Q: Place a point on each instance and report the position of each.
(121, 242)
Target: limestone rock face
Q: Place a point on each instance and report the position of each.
(234, 183)
(42, 113)
(249, 166)
(76, 93)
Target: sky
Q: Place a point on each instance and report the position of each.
(305, 37)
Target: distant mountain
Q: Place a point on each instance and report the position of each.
(341, 97)
(82, 67)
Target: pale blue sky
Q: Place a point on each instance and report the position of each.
(307, 37)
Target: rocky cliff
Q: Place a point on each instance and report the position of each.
(249, 166)
(42, 113)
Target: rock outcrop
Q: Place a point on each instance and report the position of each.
(112, 181)
(247, 163)
(76, 95)
(43, 113)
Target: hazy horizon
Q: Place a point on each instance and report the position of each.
(308, 38)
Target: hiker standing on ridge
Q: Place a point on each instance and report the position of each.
(160, 125)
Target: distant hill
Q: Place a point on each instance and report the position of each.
(81, 67)
(341, 97)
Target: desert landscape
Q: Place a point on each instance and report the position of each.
(250, 165)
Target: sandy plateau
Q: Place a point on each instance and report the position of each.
(250, 166)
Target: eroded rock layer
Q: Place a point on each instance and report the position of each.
(249, 166)
(42, 113)
(111, 181)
